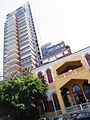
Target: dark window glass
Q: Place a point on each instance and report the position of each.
(49, 76)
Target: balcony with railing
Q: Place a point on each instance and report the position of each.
(15, 46)
(10, 22)
(78, 108)
(12, 68)
(12, 56)
(14, 41)
(70, 69)
(12, 62)
(8, 39)
(13, 33)
(10, 52)
(72, 72)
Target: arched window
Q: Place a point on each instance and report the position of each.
(67, 97)
(86, 85)
(78, 94)
(41, 76)
(76, 88)
(88, 58)
(49, 76)
(48, 105)
(86, 88)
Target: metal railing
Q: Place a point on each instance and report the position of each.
(72, 72)
(80, 107)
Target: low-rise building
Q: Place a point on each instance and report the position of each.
(53, 52)
(68, 82)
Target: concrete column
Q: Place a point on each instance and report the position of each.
(73, 98)
(84, 95)
(61, 102)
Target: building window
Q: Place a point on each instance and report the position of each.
(76, 88)
(48, 105)
(78, 94)
(49, 76)
(45, 101)
(41, 76)
(88, 58)
(56, 102)
(67, 98)
(86, 88)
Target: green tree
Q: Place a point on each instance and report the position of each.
(20, 96)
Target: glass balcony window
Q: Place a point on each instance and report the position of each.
(21, 18)
(26, 60)
(12, 62)
(14, 55)
(21, 22)
(12, 46)
(23, 33)
(13, 50)
(25, 55)
(21, 25)
(24, 50)
(22, 28)
(23, 42)
(23, 38)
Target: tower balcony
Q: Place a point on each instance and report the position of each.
(10, 52)
(10, 27)
(15, 46)
(12, 62)
(10, 38)
(12, 68)
(14, 41)
(11, 23)
(72, 73)
(12, 56)
(11, 34)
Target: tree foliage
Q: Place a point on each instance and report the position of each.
(22, 93)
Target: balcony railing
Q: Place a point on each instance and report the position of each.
(80, 107)
(13, 50)
(15, 46)
(12, 68)
(72, 72)
(12, 62)
(14, 41)
(12, 56)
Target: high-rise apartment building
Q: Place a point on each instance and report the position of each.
(21, 47)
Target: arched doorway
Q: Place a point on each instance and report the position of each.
(67, 97)
(86, 88)
(78, 94)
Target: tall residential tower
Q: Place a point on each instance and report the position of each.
(21, 47)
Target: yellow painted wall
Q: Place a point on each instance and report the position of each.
(69, 81)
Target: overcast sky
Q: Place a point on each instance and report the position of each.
(55, 20)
